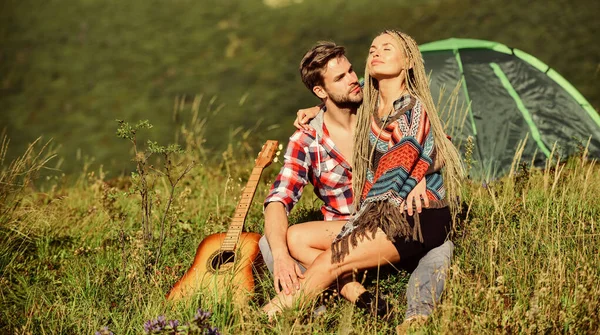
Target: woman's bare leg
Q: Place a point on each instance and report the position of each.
(322, 273)
(308, 240)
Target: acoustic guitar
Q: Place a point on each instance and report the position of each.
(223, 263)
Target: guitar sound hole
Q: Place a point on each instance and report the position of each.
(222, 259)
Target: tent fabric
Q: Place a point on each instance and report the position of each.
(512, 96)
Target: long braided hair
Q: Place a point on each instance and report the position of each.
(417, 85)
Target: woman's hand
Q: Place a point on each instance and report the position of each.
(415, 196)
(303, 116)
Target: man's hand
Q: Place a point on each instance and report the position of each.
(415, 196)
(303, 116)
(286, 272)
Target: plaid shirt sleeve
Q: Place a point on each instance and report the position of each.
(293, 175)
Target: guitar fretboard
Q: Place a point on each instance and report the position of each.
(237, 223)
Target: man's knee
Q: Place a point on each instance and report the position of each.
(267, 254)
(427, 281)
(435, 264)
(431, 271)
(440, 257)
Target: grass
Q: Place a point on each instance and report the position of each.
(73, 257)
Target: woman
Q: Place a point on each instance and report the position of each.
(398, 132)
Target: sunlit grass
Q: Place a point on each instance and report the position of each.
(73, 257)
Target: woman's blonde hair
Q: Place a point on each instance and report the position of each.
(417, 84)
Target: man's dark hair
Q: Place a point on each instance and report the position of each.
(314, 61)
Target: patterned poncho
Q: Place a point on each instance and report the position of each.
(403, 149)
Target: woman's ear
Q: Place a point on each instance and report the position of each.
(320, 92)
(409, 61)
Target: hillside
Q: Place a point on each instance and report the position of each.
(69, 69)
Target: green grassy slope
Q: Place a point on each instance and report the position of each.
(73, 258)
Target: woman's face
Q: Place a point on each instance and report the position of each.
(386, 58)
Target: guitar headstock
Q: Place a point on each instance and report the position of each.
(265, 157)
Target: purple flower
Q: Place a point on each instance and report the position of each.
(147, 326)
(213, 331)
(163, 326)
(155, 326)
(174, 323)
(161, 321)
(201, 316)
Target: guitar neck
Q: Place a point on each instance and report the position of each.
(237, 223)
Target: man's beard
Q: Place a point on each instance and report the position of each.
(346, 101)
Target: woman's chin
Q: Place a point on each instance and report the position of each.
(379, 75)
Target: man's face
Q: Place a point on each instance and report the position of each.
(341, 83)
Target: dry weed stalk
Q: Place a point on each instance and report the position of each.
(20, 173)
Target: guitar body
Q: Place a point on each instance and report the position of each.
(219, 272)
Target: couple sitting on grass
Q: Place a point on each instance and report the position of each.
(387, 142)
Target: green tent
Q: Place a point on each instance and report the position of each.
(513, 95)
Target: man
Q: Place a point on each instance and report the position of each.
(320, 156)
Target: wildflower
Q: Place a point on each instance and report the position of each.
(104, 331)
(155, 326)
(174, 324)
(201, 317)
(213, 331)
(148, 325)
(199, 325)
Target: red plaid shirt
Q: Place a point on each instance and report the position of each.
(311, 156)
